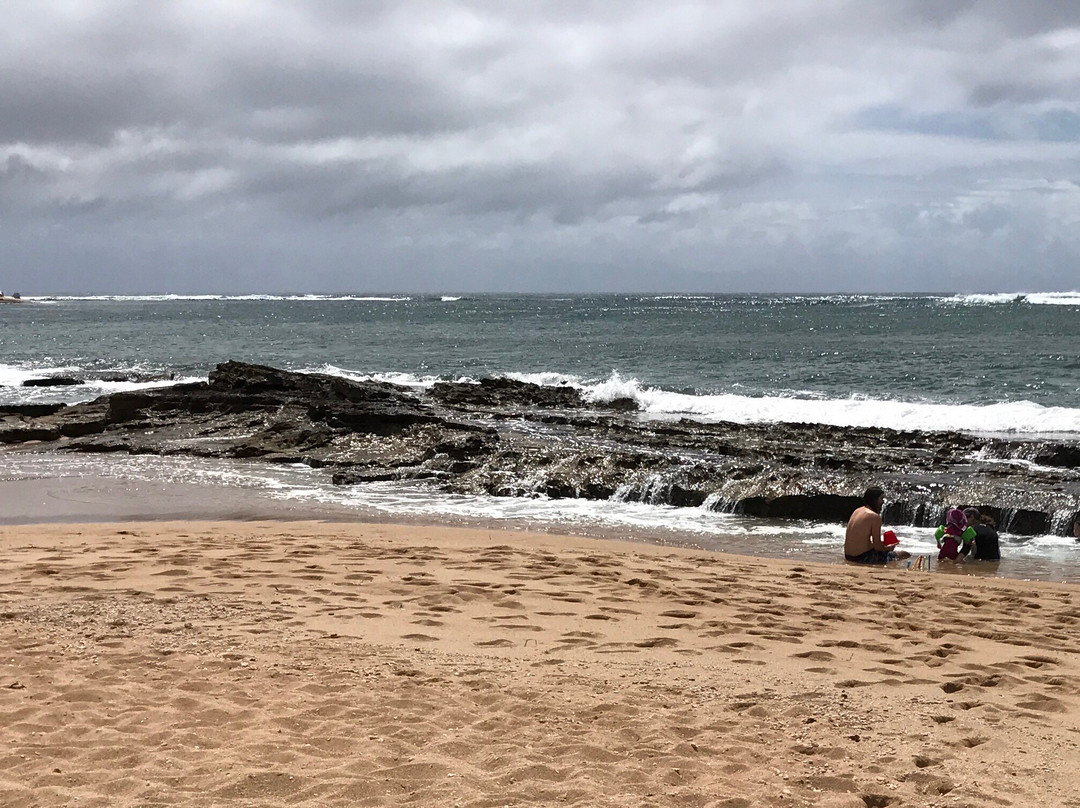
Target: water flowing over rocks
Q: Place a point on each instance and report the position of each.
(512, 438)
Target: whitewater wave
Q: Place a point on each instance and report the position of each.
(974, 299)
(407, 380)
(173, 298)
(1032, 298)
(13, 377)
(1021, 417)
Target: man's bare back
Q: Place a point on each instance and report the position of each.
(863, 532)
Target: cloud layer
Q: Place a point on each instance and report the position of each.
(789, 145)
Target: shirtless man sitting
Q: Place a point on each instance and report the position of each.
(862, 542)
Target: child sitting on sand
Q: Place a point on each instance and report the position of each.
(954, 536)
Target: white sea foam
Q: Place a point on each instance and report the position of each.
(173, 297)
(14, 375)
(12, 378)
(449, 298)
(549, 379)
(407, 380)
(1022, 417)
(1033, 298)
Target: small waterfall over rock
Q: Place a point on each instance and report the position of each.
(916, 514)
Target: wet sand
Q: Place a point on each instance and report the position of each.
(89, 498)
(343, 664)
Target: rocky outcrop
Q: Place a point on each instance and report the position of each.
(52, 381)
(503, 392)
(31, 410)
(512, 438)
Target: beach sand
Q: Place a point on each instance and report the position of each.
(319, 664)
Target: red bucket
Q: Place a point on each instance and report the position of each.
(889, 538)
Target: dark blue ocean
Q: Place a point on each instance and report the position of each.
(980, 363)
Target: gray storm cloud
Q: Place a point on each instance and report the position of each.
(698, 146)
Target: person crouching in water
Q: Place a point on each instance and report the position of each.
(954, 536)
(987, 544)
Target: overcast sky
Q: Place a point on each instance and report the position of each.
(572, 145)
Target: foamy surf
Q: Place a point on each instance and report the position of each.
(1009, 418)
(1032, 298)
(169, 298)
(14, 381)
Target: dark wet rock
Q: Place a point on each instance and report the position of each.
(1021, 520)
(821, 507)
(1061, 456)
(110, 444)
(593, 490)
(52, 381)
(511, 438)
(283, 438)
(30, 410)
(90, 418)
(133, 378)
(503, 392)
(462, 447)
(63, 422)
(357, 476)
(12, 431)
(621, 404)
(558, 489)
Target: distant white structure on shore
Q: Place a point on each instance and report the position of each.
(15, 298)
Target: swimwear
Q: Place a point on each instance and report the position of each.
(987, 547)
(952, 542)
(872, 557)
(950, 548)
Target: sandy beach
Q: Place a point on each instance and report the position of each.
(318, 664)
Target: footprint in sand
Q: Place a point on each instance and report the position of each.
(817, 656)
(1041, 703)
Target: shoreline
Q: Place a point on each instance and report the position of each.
(328, 663)
(95, 498)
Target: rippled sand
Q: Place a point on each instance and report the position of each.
(314, 664)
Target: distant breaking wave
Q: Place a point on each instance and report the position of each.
(170, 298)
(1022, 417)
(999, 298)
(1033, 298)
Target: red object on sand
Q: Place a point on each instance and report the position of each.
(889, 538)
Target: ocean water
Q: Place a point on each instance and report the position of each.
(988, 364)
